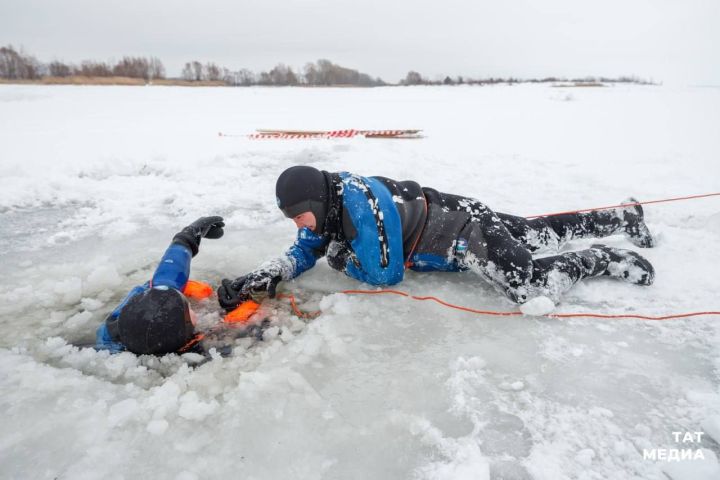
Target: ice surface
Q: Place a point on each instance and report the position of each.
(94, 181)
(538, 306)
(705, 468)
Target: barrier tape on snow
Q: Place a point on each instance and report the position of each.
(325, 134)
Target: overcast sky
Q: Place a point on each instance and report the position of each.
(675, 41)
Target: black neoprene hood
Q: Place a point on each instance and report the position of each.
(301, 189)
(156, 321)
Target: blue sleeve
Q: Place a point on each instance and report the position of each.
(174, 268)
(372, 211)
(305, 251)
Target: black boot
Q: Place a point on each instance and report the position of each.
(622, 264)
(634, 225)
(553, 276)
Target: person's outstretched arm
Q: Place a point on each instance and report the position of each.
(299, 258)
(174, 268)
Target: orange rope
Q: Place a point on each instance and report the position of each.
(193, 341)
(434, 299)
(293, 304)
(627, 315)
(310, 315)
(690, 197)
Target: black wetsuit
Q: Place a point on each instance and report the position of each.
(448, 232)
(500, 247)
(445, 232)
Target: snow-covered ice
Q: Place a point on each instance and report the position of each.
(94, 181)
(538, 306)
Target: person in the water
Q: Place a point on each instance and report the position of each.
(156, 318)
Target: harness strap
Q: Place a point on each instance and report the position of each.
(193, 341)
(408, 263)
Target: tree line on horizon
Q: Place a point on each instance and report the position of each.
(17, 65)
(321, 73)
(415, 78)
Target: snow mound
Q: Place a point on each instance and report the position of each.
(537, 307)
(706, 468)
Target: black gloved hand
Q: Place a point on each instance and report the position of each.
(204, 227)
(338, 254)
(229, 297)
(233, 293)
(257, 282)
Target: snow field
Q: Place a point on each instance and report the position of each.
(94, 181)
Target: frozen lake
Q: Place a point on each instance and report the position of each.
(94, 181)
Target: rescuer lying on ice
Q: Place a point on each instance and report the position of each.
(156, 318)
(372, 228)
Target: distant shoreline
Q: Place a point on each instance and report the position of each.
(126, 81)
(178, 82)
(22, 68)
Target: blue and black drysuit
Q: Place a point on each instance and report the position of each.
(376, 227)
(172, 272)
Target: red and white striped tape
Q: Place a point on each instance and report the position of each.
(307, 134)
